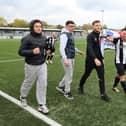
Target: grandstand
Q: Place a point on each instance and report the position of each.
(17, 33)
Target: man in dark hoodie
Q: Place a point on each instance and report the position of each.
(33, 49)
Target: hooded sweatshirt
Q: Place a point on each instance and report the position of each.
(31, 41)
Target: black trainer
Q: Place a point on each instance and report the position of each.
(69, 96)
(105, 97)
(80, 90)
(60, 89)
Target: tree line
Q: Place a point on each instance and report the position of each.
(24, 24)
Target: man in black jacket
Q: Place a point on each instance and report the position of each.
(33, 49)
(94, 59)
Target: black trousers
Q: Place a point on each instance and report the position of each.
(89, 66)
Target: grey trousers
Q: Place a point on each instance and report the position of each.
(68, 76)
(39, 74)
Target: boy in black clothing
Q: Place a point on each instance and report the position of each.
(51, 45)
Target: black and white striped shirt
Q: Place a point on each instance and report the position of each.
(120, 51)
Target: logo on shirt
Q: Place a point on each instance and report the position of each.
(95, 39)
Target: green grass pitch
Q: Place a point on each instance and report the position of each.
(84, 110)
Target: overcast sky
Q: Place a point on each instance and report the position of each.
(58, 11)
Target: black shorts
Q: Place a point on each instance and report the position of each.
(121, 68)
(52, 50)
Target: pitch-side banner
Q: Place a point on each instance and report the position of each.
(105, 44)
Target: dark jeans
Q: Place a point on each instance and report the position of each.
(89, 66)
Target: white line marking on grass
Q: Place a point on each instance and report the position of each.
(30, 110)
(16, 60)
(11, 60)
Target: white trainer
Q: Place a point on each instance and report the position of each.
(43, 109)
(23, 101)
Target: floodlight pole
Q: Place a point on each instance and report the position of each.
(102, 17)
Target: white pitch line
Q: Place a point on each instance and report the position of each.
(15, 60)
(12, 60)
(29, 109)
